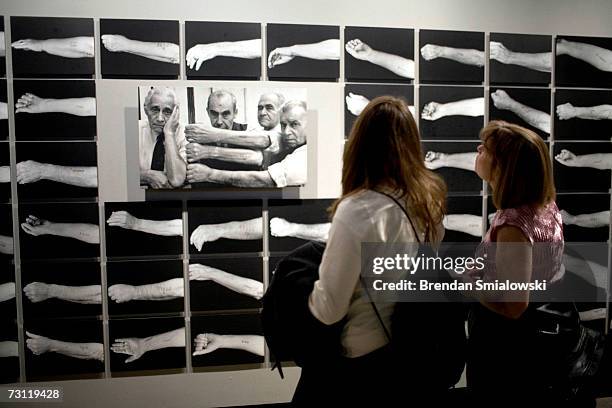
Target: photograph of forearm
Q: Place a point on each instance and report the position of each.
(520, 59)
(454, 162)
(8, 305)
(303, 52)
(147, 344)
(373, 54)
(295, 222)
(145, 288)
(4, 129)
(5, 173)
(57, 171)
(463, 221)
(357, 96)
(582, 167)
(451, 56)
(587, 280)
(450, 112)
(227, 340)
(582, 115)
(226, 283)
(6, 234)
(52, 47)
(54, 110)
(222, 50)
(51, 231)
(139, 48)
(526, 107)
(57, 349)
(220, 227)
(586, 217)
(144, 229)
(583, 62)
(2, 49)
(61, 289)
(9, 352)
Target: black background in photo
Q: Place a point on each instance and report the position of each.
(207, 32)
(577, 204)
(457, 180)
(463, 205)
(286, 35)
(449, 127)
(62, 154)
(219, 212)
(54, 125)
(534, 98)
(41, 64)
(249, 324)
(581, 179)
(169, 357)
(582, 129)
(6, 229)
(60, 273)
(121, 242)
(8, 308)
(10, 365)
(396, 41)
(570, 71)
(51, 366)
(5, 160)
(296, 211)
(126, 65)
(53, 246)
(506, 74)
(443, 70)
(405, 92)
(208, 295)
(144, 273)
(2, 59)
(4, 126)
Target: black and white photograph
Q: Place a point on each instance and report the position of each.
(9, 351)
(303, 52)
(4, 126)
(230, 339)
(375, 54)
(463, 221)
(587, 277)
(52, 47)
(582, 167)
(66, 231)
(224, 137)
(357, 96)
(8, 304)
(57, 171)
(220, 227)
(2, 49)
(145, 288)
(455, 163)
(586, 217)
(147, 344)
(61, 289)
(223, 50)
(582, 115)
(63, 349)
(139, 48)
(583, 62)
(144, 229)
(451, 56)
(226, 283)
(5, 173)
(526, 107)
(7, 248)
(451, 112)
(520, 59)
(295, 222)
(54, 110)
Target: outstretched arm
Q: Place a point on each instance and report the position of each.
(466, 107)
(465, 161)
(401, 66)
(196, 152)
(167, 290)
(124, 219)
(9, 349)
(199, 53)
(5, 174)
(208, 342)
(592, 220)
(6, 245)
(323, 50)
(583, 268)
(569, 111)
(136, 347)
(197, 173)
(158, 51)
(39, 291)
(539, 61)
(534, 117)
(279, 227)
(84, 351)
(461, 55)
(233, 282)
(88, 233)
(252, 139)
(356, 103)
(241, 230)
(3, 110)
(600, 161)
(72, 47)
(30, 103)
(600, 58)
(31, 171)
(7, 291)
(467, 223)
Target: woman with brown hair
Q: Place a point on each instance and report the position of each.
(383, 157)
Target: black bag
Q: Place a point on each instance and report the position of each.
(291, 331)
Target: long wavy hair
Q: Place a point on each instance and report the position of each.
(384, 152)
